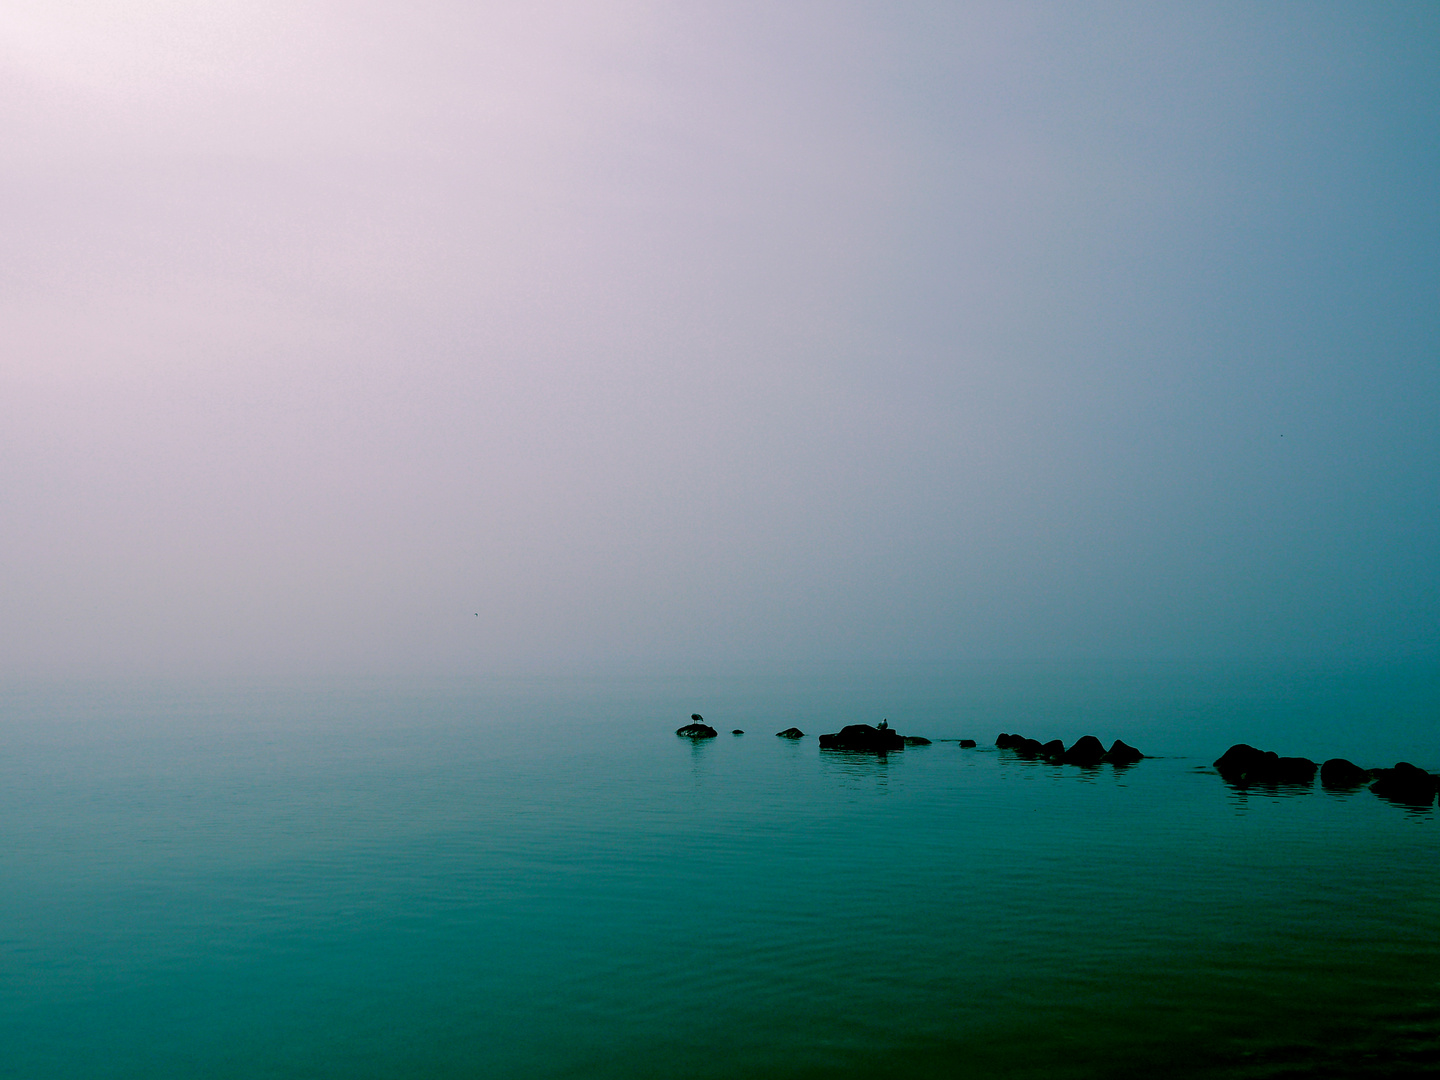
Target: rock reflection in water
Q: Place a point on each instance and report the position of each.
(858, 765)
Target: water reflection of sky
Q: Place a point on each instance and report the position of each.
(609, 901)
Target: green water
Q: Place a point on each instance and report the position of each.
(541, 880)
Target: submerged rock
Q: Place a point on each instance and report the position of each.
(1340, 775)
(1122, 754)
(967, 744)
(1243, 765)
(862, 737)
(915, 740)
(1087, 750)
(1405, 784)
(697, 731)
(737, 731)
(790, 733)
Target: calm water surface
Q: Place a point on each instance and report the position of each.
(535, 880)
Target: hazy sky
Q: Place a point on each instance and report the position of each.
(715, 335)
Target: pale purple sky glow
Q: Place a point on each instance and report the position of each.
(715, 336)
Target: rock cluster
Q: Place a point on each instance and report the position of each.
(1243, 765)
(1087, 750)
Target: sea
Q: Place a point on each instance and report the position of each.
(535, 877)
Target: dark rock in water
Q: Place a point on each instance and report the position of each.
(1122, 754)
(1405, 784)
(862, 737)
(737, 731)
(697, 731)
(915, 740)
(790, 733)
(1030, 748)
(967, 744)
(696, 717)
(1087, 750)
(1242, 765)
(1296, 770)
(1242, 761)
(1339, 774)
(1027, 748)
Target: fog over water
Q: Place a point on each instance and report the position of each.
(454, 338)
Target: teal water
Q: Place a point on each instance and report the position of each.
(537, 879)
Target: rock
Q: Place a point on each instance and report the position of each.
(862, 737)
(737, 731)
(915, 740)
(1405, 784)
(1052, 751)
(967, 744)
(697, 730)
(1031, 748)
(1340, 775)
(1087, 750)
(696, 717)
(1242, 765)
(790, 733)
(1122, 754)
(1241, 761)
